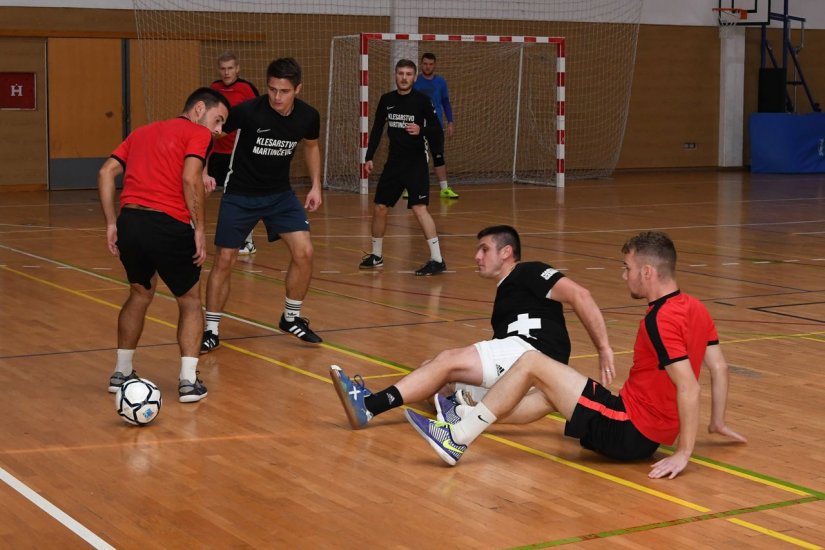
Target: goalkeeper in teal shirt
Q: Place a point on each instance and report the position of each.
(435, 87)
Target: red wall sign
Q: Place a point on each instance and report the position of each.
(18, 91)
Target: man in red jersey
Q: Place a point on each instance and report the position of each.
(160, 227)
(236, 90)
(658, 403)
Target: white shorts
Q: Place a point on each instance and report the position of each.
(497, 356)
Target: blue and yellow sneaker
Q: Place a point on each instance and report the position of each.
(351, 392)
(438, 435)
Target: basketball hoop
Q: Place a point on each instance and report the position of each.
(728, 19)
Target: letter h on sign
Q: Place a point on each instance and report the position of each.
(18, 91)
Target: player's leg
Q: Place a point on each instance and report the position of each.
(129, 328)
(135, 228)
(286, 219)
(416, 178)
(386, 196)
(236, 218)
(560, 385)
(173, 254)
(190, 324)
(361, 405)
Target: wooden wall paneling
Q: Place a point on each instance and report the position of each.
(675, 99)
(23, 143)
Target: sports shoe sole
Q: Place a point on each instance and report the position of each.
(338, 384)
(210, 350)
(436, 447)
(191, 398)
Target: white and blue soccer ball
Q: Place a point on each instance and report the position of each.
(138, 401)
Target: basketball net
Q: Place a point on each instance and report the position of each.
(727, 21)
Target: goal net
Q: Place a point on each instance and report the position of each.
(179, 42)
(504, 91)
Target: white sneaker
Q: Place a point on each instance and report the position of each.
(247, 249)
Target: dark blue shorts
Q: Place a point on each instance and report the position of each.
(601, 424)
(238, 214)
(153, 242)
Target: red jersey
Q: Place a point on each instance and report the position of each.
(237, 92)
(676, 327)
(153, 156)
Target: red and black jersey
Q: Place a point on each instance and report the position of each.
(676, 327)
(523, 309)
(152, 158)
(236, 93)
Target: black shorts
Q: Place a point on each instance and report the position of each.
(238, 214)
(437, 154)
(153, 242)
(218, 167)
(399, 174)
(600, 423)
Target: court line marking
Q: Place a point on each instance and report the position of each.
(62, 517)
(679, 521)
(505, 441)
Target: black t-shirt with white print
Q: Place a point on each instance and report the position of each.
(522, 309)
(266, 143)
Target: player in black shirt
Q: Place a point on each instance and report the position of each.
(411, 119)
(257, 188)
(527, 315)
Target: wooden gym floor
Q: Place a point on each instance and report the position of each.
(268, 459)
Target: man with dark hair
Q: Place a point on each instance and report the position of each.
(258, 189)
(435, 87)
(527, 315)
(410, 117)
(236, 90)
(658, 403)
(160, 228)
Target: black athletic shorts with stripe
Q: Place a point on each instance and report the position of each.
(153, 242)
(601, 424)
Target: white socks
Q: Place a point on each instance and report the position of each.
(124, 361)
(477, 419)
(189, 368)
(435, 250)
(443, 184)
(378, 246)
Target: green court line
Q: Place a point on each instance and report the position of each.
(675, 522)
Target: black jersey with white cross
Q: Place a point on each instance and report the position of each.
(523, 309)
(265, 144)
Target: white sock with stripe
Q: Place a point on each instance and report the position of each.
(292, 309)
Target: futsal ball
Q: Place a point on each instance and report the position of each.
(138, 401)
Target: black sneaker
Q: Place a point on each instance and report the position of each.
(118, 379)
(371, 261)
(432, 268)
(210, 342)
(300, 329)
(189, 392)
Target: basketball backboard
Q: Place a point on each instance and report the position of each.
(758, 10)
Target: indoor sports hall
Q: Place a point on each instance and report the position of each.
(580, 123)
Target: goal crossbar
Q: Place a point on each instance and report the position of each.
(365, 38)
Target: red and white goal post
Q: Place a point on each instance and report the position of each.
(524, 115)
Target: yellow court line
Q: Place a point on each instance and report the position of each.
(83, 295)
(774, 534)
(529, 450)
